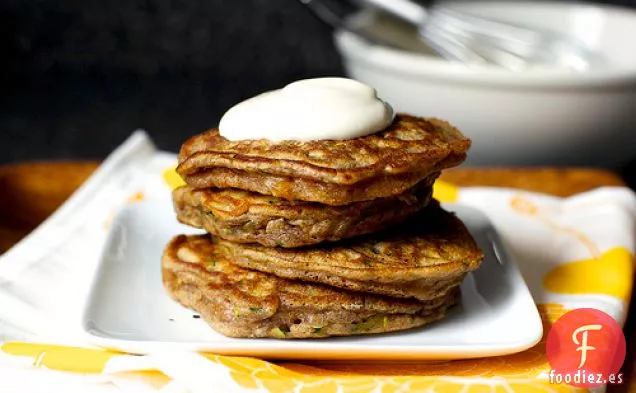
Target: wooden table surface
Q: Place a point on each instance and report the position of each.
(30, 192)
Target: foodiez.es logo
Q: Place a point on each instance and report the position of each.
(585, 348)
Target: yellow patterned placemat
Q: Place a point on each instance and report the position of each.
(519, 372)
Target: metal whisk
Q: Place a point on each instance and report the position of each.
(470, 39)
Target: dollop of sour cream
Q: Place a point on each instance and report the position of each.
(310, 109)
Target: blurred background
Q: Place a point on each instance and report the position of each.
(79, 76)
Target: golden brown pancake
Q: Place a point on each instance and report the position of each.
(331, 172)
(241, 303)
(422, 258)
(248, 217)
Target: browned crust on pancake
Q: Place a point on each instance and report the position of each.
(241, 303)
(431, 245)
(422, 289)
(247, 217)
(330, 172)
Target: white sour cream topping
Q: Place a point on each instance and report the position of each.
(310, 109)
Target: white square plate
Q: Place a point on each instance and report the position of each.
(128, 309)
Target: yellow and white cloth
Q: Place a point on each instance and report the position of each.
(574, 252)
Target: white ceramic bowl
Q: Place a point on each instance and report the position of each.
(531, 117)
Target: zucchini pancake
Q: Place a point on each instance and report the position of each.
(247, 217)
(320, 222)
(331, 172)
(238, 302)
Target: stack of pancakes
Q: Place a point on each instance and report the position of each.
(319, 238)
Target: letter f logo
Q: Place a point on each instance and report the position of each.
(583, 343)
